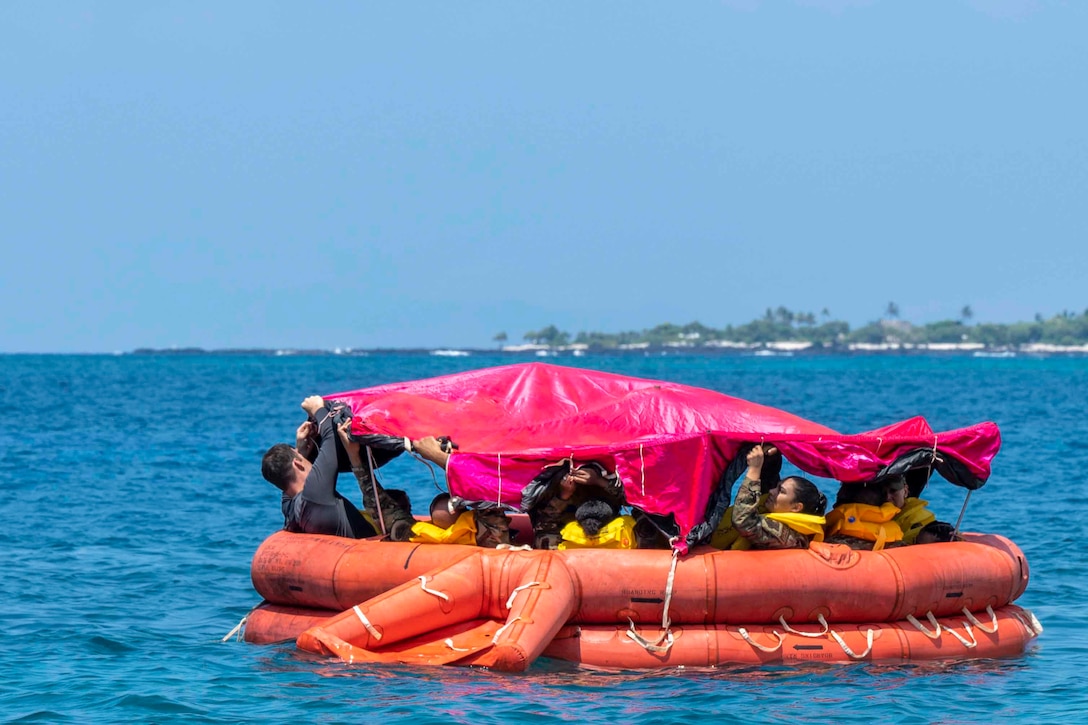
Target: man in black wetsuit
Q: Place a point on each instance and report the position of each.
(310, 501)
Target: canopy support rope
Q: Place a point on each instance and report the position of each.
(963, 510)
(374, 485)
(980, 625)
(642, 468)
(423, 585)
(791, 630)
(665, 621)
(366, 623)
(523, 587)
(849, 652)
(748, 638)
(498, 459)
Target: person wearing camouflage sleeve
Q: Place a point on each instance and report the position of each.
(790, 495)
(553, 497)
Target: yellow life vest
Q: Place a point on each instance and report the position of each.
(619, 533)
(461, 531)
(807, 524)
(726, 537)
(913, 518)
(862, 521)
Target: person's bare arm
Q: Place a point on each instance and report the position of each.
(433, 450)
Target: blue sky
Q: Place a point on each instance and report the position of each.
(429, 174)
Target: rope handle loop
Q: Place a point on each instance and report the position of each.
(936, 633)
(791, 630)
(423, 585)
(449, 643)
(849, 652)
(748, 638)
(237, 629)
(503, 628)
(366, 623)
(980, 625)
(967, 628)
(523, 587)
(655, 647)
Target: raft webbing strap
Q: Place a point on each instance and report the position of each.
(791, 630)
(849, 652)
(646, 644)
(748, 638)
(366, 623)
(972, 620)
(523, 587)
(922, 628)
(423, 585)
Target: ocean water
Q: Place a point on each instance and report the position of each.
(133, 504)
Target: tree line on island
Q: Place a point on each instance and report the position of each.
(784, 325)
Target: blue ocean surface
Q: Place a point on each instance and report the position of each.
(133, 504)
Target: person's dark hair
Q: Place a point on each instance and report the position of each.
(861, 493)
(441, 502)
(277, 466)
(812, 501)
(939, 531)
(593, 515)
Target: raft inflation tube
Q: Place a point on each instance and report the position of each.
(510, 604)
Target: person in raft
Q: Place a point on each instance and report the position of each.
(918, 523)
(863, 518)
(598, 525)
(452, 522)
(794, 508)
(311, 503)
(553, 497)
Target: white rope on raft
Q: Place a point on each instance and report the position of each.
(1030, 621)
(449, 643)
(791, 630)
(646, 644)
(523, 587)
(366, 623)
(513, 547)
(980, 625)
(503, 628)
(849, 652)
(967, 628)
(665, 621)
(237, 629)
(935, 634)
(642, 466)
(423, 585)
(748, 638)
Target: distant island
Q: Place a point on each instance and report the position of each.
(782, 329)
(778, 332)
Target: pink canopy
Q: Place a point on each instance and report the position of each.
(669, 443)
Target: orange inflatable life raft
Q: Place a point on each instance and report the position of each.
(371, 601)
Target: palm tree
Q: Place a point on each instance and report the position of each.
(966, 313)
(500, 338)
(892, 310)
